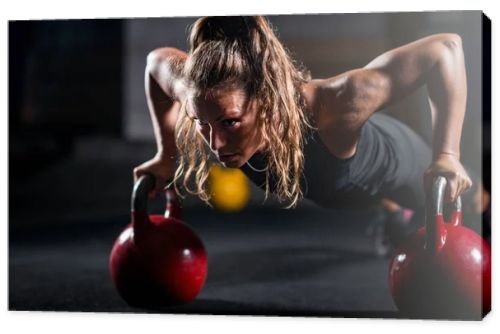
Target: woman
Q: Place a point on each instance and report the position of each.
(237, 95)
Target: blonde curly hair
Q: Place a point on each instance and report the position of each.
(245, 53)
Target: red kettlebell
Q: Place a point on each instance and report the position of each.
(444, 269)
(157, 260)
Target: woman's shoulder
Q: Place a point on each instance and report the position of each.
(325, 98)
(328, 106)
(165, 65)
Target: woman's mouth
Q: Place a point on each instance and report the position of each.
(227, 157)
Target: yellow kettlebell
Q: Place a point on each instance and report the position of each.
(228, 188)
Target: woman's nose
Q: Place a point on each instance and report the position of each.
(216, 140)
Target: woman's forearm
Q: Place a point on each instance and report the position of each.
(447, 89)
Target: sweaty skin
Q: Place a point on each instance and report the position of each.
(228, 123)
(339, 107)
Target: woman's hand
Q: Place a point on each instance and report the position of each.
(162, 168)
(449, 166)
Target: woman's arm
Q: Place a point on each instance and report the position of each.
(435, 61)
(164, 92)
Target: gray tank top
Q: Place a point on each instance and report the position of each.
(389, 162)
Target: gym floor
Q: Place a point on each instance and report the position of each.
(66, 215)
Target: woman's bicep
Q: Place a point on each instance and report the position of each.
(156, 96)
(400, 71)
(162, 95)
(348, 99)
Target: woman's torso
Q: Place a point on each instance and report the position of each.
(389, 160)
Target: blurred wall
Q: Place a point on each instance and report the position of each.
(142, 36)
(64, 82)
(65, 75)
(327, 44)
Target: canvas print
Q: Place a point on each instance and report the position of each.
(325, 165)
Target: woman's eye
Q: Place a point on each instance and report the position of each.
(229, 123)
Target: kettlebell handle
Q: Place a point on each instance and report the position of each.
(434, 221)
(139, 206)
(144, 185)
(438, 191)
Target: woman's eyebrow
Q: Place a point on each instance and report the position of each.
(233, 113)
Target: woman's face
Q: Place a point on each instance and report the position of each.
(227, 120)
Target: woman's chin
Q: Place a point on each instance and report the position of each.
(232, 162)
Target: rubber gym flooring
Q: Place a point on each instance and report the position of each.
(65, 216)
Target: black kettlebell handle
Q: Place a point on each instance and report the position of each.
(144, 185)
(434, 218)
